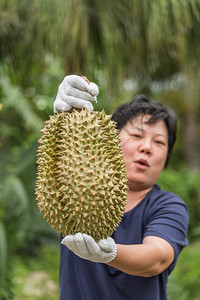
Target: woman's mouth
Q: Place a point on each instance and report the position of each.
(142, 164)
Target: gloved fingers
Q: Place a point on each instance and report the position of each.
(60, 106)
(81, 245)
(107, 245)
(81, 84)
(92, 246)
(85, 247)
(93, 89)
(78, 103)
(73, 102)
(81, 94)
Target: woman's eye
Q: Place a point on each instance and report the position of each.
(160, 142)
(137, 136)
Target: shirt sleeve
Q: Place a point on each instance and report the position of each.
(169, 220)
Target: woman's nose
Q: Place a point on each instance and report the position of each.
(146, 147)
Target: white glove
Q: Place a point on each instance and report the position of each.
(85, 246)
(75, 92)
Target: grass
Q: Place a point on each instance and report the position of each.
(37, 278)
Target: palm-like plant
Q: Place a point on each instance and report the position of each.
(145, 41)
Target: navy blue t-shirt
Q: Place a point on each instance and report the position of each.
(162, 214)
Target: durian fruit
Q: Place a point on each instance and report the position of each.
(81, 184)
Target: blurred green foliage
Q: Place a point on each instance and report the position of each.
(37, 278)
(184, 280)
(126, 47)
(185, 184)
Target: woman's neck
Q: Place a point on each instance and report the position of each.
(135, 197)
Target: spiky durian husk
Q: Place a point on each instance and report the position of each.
(81, 184)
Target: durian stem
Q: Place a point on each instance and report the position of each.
(85, 78)
(78, 109)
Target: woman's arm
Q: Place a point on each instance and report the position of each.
(148, 259)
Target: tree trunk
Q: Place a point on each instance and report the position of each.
(191, 141)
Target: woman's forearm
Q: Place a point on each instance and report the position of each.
(147, 259)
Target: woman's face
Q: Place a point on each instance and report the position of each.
(144, 148)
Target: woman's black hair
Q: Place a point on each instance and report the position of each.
(141, 105)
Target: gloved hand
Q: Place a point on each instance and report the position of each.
(85, 246)
(75, 91)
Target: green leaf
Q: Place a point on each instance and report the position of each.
(14, 196)
(12, 94)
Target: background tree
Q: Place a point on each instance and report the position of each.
(126, 47)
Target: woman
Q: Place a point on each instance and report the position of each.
(135, 262)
